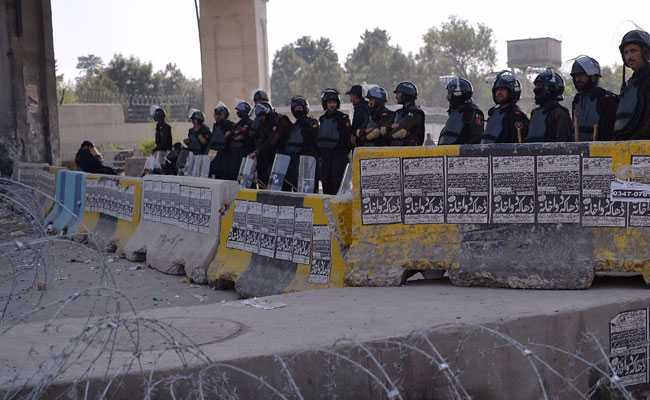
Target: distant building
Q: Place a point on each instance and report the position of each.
(539, 52)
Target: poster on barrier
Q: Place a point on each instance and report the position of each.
(237, 234)
(513, 190)
(175, 206)
(165, 199)
(147, 201)
(130, 203)
(321, 263)
(269, 230)
(597, 208)
(284, 242)
(381, 191)
(628, 346)
(90, 195)
(183, 204)
(205, 210)
(193, 201)
(640, 211)
(468, 190)
(558, 189)
(424, 190)
(303, 232)
(253, 227)
(157, 207)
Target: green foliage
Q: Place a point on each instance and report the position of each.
(305, 67)
(147, 147)
(376, 61)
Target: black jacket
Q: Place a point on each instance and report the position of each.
(607, 103)
(87, 162)
(639, 126)
(361, 117)
(559, 127)
(163, 137)
(344, 127)
(514, 118)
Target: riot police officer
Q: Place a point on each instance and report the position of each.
(381, 119)
(333, 142)
(300, 140)
(506, 122)
(269, 128)
(260, 96)
(197, 142)
(163, 131)
(220, 130)
(593, 108)
(465, 122)
(198, 136)
(408, 125)
(633, 114)
(239, 141)
(550, 121)
(361, 112)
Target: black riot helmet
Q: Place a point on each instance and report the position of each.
(299, 102)
(329, 95)
(507, 80)
(378, 93)
(552, 87)
(408, 92)
(260, 96)
(157, 113)
(262, 109)
(197, 116)
(243, 109)
(588, 66)
(639, 37)
(459, 91)
(222, 109)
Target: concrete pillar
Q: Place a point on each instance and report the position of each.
(28, 104)
(234, 49)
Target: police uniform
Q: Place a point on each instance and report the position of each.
(300, 140)
(218, 166)
(410, 131)
(633, 113)
(334, 145)
(550, 123)
(505, 124)
(464, 125)
(379, 123)
(594, 114)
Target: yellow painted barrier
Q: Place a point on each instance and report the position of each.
(277, 242)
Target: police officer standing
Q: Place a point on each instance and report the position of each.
(361, 112)
(239, 141)
(197, 142)
(300, 140)
(269, 128)
(408, 126)
(222, 127)
(594, 108)
(163, 131)
(550, 121)
(506, 122)
(260, 96)
(333, 142)
(633, 114)
(465, 122)
(381, 119)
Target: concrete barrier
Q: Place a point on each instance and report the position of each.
(519, 216)
(67, 213)
(277, 242)
(180, 225)
(112, 210)
(42, 178)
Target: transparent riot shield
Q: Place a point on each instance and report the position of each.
(278, 172)
(346, 183)
(247, 172)
(307, 174)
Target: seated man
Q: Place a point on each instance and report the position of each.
(89, 160)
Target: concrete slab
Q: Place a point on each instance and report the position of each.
(495, 342)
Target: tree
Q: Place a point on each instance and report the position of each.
(455, 48)
(90, 65)
(305, 67)
(131, 75)
(375, 61)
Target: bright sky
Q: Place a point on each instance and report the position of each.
(165, 31)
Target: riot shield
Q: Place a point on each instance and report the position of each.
(346, 183)
(278, 172)
(307, 174)
(247, 171)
